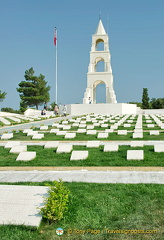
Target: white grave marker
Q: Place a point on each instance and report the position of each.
(135, 154)
(79, 155)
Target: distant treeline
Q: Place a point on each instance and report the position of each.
(155, 103)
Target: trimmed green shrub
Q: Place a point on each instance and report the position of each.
(56, 203)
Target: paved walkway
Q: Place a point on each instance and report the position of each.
(18, 204)
(35, 124)
(84, 176)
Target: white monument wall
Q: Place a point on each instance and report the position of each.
(106, 108)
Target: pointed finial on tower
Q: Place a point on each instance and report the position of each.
(100, 29)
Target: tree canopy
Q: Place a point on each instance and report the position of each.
(2, 95)
(145, 99)
(34, 90)
(157, 103)
(139, 104)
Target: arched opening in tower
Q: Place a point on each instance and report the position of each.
(99, 45)
(100, 66)
(101, 93)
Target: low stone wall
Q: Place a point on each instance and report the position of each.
(152, 111)
(104, 108)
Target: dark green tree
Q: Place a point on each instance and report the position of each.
(145, 99)
(23, 106)
(8, 109)
(161, 102)
(34, 90)
(157, 103)
(139, 104)
(2, 95)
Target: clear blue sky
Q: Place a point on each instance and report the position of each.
(136, 38)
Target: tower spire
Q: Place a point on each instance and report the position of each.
(100, 29)
(105, 76)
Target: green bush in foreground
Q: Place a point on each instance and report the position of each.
(56, 203)
(100, 206)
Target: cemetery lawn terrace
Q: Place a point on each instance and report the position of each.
(84, 137)
(96, 206)
(49, 157)
(101, 206)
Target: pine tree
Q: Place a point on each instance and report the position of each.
(145, 99)
(33, 91)
(23, 106)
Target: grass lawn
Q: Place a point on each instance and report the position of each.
(99, 128)
(101, 208)
(49, 157)
(84, 137)
(24, 120)
(16, 123)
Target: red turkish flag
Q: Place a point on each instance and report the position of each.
(55, 37)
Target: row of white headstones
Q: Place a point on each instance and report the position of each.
(83, 128)
(19, 119)
(18, 148)
(80, 155)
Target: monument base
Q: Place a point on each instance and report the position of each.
(101, 108)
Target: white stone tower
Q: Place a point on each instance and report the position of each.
(94, 78)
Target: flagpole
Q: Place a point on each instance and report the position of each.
(56, 67)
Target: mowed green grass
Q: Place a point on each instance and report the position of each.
(49, 157)
(98, 207)
(84, 137)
